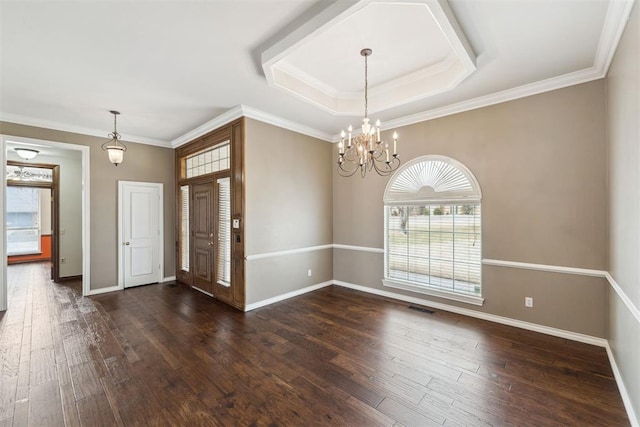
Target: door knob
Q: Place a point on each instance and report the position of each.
(126, 243)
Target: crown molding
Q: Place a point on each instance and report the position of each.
(547, 85)
(64, 127)
(216, 122)
(251, 113)
(262, 116)
(615, 21)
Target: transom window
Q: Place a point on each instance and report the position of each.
(433, 230)
(209, 160)
(29, 173)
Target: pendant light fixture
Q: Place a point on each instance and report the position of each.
(366, 151)
(114, 148)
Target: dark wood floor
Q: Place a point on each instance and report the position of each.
(167, 355)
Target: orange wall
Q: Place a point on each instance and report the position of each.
(45, 255)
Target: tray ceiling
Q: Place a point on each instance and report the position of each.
(419, 50)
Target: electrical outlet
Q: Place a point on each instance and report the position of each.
(528, 301)
(63, 260)
(309, 273)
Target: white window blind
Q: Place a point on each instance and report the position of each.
(438, 246)
(184, 228)
(223, 256)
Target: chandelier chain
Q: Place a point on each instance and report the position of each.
(366, 86)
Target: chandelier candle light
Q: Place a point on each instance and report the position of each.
(366, 151)
(114, 148)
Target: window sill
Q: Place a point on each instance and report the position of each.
(23, 253)
(408, 286)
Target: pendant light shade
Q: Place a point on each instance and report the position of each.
(114, 148)
(116, 154)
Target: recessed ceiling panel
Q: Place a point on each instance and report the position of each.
(418, 51)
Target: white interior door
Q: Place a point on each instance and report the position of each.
(140, 225)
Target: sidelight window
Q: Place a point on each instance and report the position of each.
(223, 256)
(184, 228)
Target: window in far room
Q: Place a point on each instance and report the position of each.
(433, 236)
(23, 220)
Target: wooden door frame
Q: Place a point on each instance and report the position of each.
(234, 133)
(120, 240)
(55, 208)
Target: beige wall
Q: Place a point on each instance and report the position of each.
(623, 137)
(539, 162)
(288, 196)
(45, 211)
(142, 163)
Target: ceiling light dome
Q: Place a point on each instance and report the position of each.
(27, 153)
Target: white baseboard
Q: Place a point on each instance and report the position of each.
(120, 288)
(626, 399)
(574, 336)
(103, 290)
(288, 295)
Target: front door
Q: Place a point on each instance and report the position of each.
(203, 237)
(140, 226)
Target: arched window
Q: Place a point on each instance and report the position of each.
(433, 230)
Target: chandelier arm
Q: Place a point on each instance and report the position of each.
(346, 173)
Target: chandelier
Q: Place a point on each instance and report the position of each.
(114, 148)
(366, 152)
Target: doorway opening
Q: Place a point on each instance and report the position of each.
(32, 214)
(47, 151)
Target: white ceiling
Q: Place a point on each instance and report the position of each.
(43, 150)
(170, 67)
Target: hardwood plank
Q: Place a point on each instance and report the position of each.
(407, 416)
(96, 411)
(45, 405)
(167, 355)
(86, 381)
